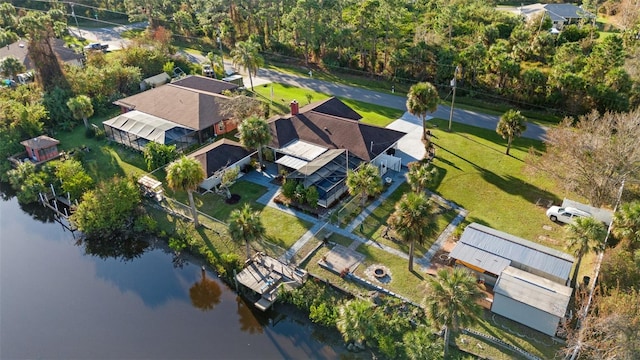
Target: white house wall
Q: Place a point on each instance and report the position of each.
(215, 179)
(525, 314)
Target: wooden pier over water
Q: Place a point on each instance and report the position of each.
(62, 208)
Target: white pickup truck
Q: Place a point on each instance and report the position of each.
(566, 215)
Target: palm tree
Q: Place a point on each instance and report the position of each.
(414, 220)
(584, 235)
(421, 99)
(255, 133)
(245, 225)
(11, 66)
(81, 108)
(419, 344)
(626, 223)
(511, 125)
(356, 321)
(365, 181)
(420, 176)
(186, 174)
(451, 300)
(246, 55)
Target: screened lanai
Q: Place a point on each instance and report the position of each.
(135, 129)
(327, 172)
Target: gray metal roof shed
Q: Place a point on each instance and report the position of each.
(535, 291)
(488, 247)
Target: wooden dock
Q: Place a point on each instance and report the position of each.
(61, 207)
(264, 275)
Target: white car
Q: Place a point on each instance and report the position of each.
(566, 215)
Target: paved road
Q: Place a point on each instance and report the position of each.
(112, 37)
(107, 35)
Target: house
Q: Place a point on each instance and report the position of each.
(529, 280)
(194, 103)
(216, 158)
(319, 142)
(19, 50)
(560, 14)
(41, 148)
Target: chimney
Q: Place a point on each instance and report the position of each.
(294, 107)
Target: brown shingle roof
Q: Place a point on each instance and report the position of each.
(362, 140)
(205, 84)
(191, 108)
(332, 106)
(40, 142)
(221, 153)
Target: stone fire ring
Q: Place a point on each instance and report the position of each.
(379, 272)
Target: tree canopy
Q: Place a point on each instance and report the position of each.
(593, 155)
(186, 174)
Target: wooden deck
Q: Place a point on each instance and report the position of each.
(341, 260)
(264, 275)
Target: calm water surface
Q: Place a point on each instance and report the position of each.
(57, 302)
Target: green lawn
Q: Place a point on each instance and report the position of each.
(495, 188)
(284, 94)
(375, 223)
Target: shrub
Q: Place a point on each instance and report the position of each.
(90, 132)
(100, 134)
(289, 188)
(312, 197)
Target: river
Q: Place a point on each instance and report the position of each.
(57, 302)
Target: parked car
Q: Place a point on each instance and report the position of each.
(97, 46)
(566, 215)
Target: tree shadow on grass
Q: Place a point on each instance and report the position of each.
(509, 183)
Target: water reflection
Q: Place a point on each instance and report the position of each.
(205, 294)
(122, 247)
(248, 320)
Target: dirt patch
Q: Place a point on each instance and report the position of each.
(234, 199)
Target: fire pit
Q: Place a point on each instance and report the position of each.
(379, 273)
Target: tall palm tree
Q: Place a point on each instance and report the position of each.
(11, 66)
(584, 235)
(512, 124)
(414, 220)
(422, 99)
(81, 108)
(245, 225)
(186, 174)
(420, 176)
(451, 300)
(356, 321)
(365, 181)
(626, 223)
(255, 133)
(247, 56)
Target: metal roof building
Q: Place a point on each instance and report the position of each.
(484, 249)
(531, 300)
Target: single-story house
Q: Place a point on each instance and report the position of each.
(19, 50)
(529, 280)
(194, 102)
(41, 148)
(560, 14)
(218, 157)
(319, 142)
(531, 300)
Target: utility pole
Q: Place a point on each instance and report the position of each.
(453, 98)
(73, 13)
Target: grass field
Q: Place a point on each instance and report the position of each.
(496, 189)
